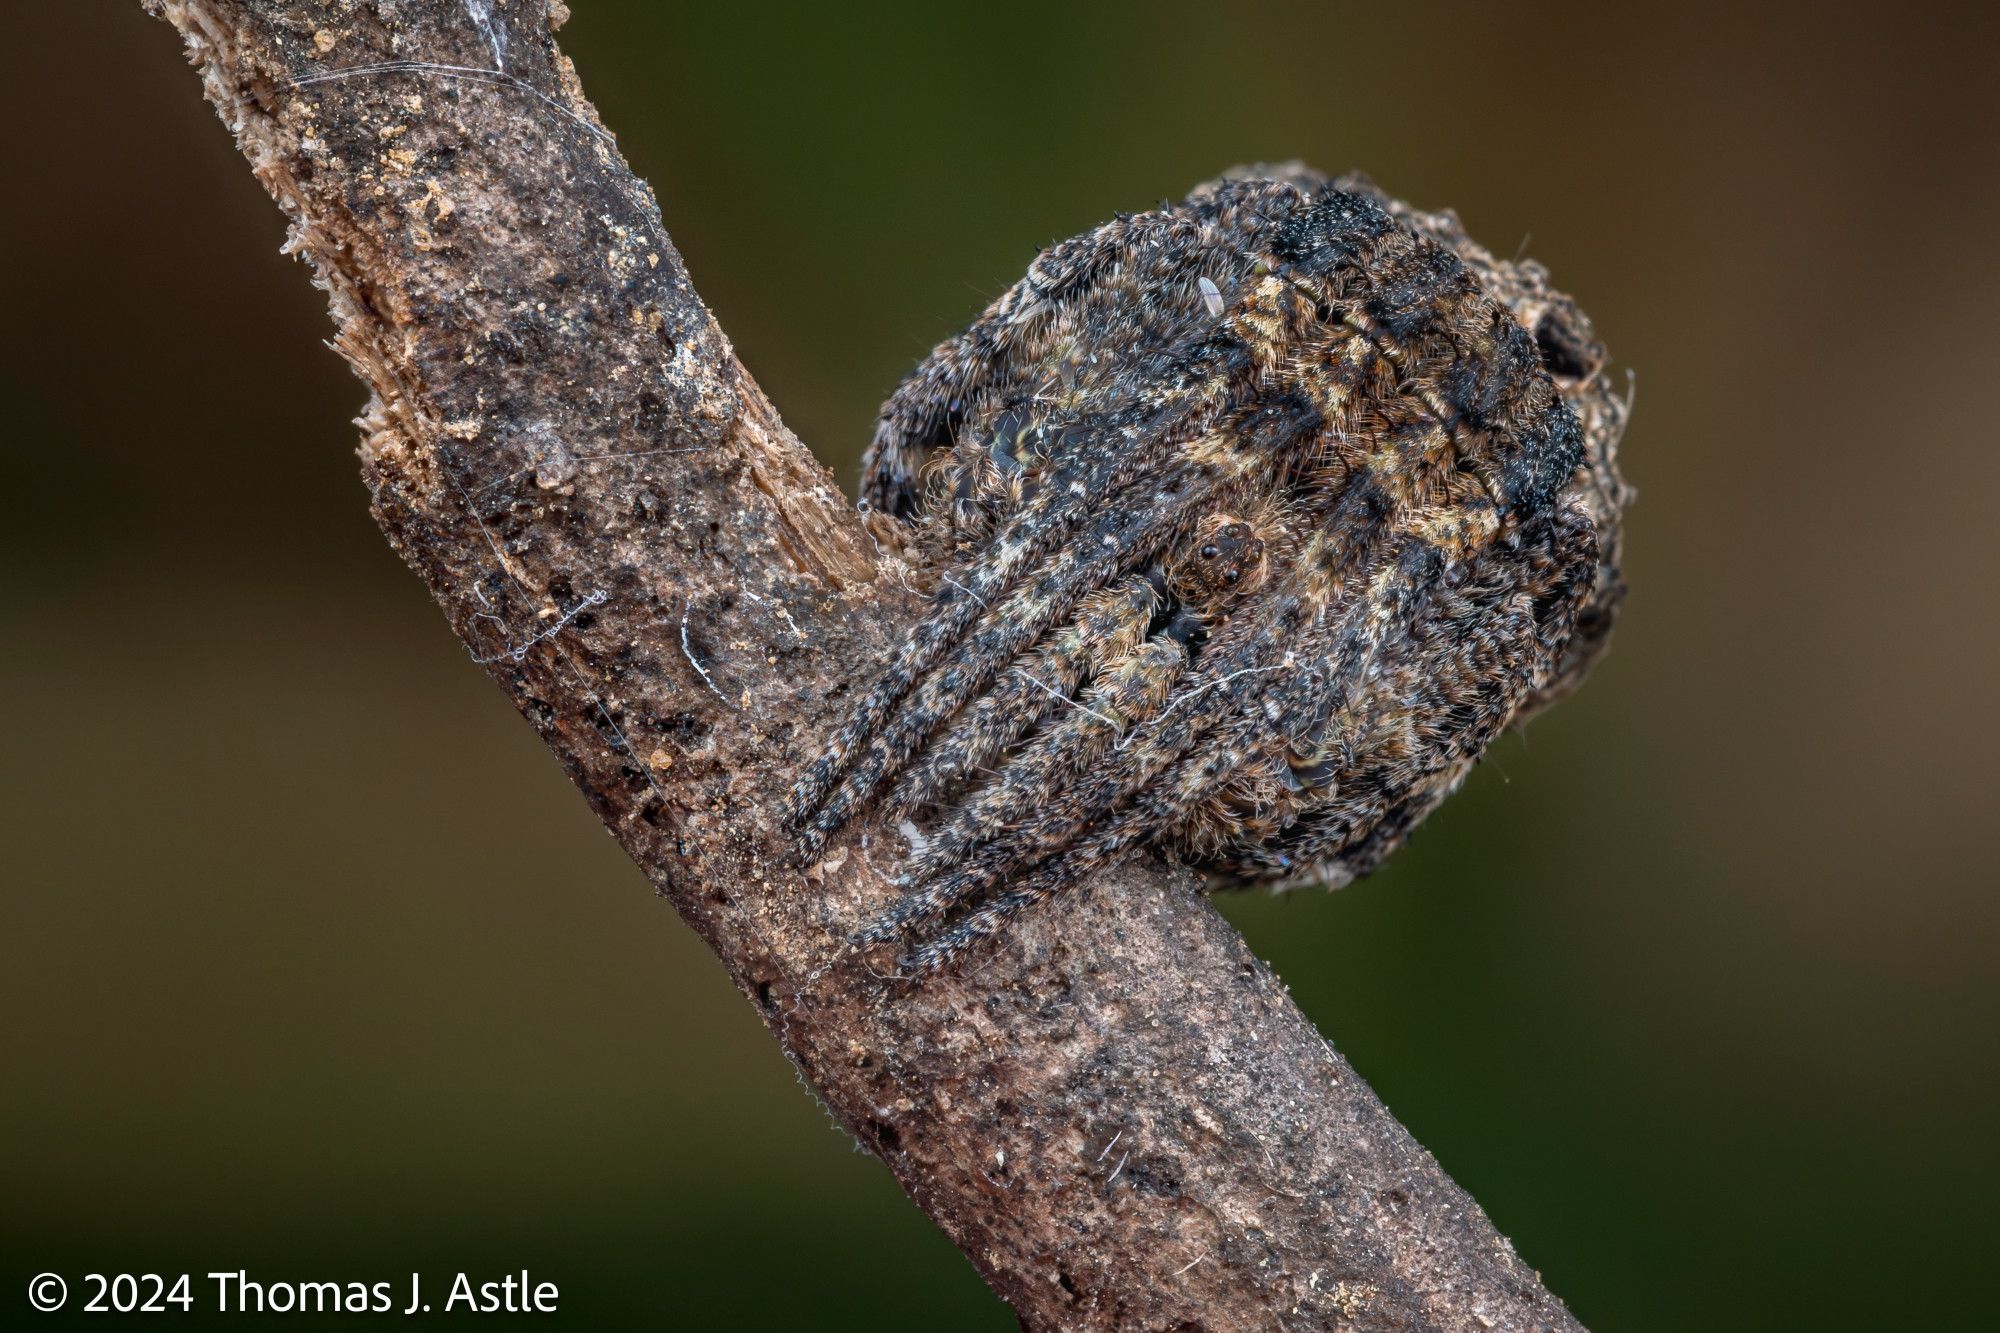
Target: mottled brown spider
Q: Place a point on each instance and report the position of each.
(1250, 522)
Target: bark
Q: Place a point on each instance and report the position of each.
(1116, 1112)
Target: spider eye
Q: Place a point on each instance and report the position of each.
(1230, 576)
(1209, 552)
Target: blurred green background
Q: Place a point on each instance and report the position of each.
(312, 963)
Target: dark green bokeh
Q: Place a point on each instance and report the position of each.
(313, 964)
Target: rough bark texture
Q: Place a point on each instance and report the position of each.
(1117, 1113)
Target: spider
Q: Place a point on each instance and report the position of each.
(1250, 521)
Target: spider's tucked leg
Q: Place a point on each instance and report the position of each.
(899, 726)
(1300, 640)
(1219, 722)
(988, 919)
(1105, 422)
(1364, 760)
(1169, 761)
(1132, 379)
(1161, 506)
(992, 361)
(1225, 561)
(1109, 625)
(1247, 722)
(983, 612)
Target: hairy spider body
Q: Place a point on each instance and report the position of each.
(1251, 521)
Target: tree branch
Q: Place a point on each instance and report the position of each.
(1116, 1112)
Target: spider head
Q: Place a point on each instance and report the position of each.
(1225, 559)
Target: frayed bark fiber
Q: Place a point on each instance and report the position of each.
(1117, 1113)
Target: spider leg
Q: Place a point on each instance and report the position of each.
(1196, 425)
(1052, 877)
(995, 359)
(1225, 557)
(1354, 660)
(1366, 567)
(1228, 561)
(1066, 777)
(1075, 571)
(1129, 533)
(1132, 694)
(1068, 867)
(992, 358)
(1187, 751)
(1109, 625)
(1076, 490)
(988, 919)
(1510, 620)
(1073, 743)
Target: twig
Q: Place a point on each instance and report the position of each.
(1135, 995)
